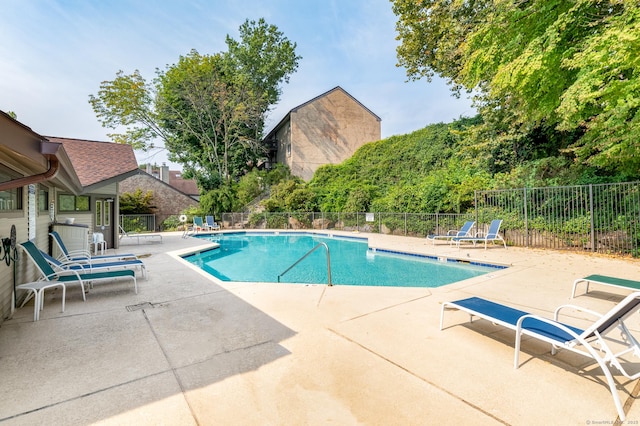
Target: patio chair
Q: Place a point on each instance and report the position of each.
(85, 255)
(70, 275)
(605, 280)
(492, 235)
(198, 225)
(132, 264)
(588, 342)
(211, 223)
(137, 235)
(465, 231)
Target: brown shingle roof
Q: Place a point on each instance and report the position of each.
(188, 186)
(95, 161)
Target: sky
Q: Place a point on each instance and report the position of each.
(55, 53)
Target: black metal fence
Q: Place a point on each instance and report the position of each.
(138, 222)
(602, 218)
(407, 224)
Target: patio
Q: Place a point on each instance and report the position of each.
(187, 350)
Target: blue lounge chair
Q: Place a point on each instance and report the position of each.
(211, 223)
(588, 342)
(132, 264)
(70, 275)
(492, 235)
(465, 231)
(84, 255)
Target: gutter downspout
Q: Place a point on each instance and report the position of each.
(48, 149)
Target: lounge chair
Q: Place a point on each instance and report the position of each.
(493, 235)
(465, 231)
(85, 255)
(70, 275)
(136, 235)
(605, 280)
(588, 342)
(198, 225)
(211, 223)
(84, 266)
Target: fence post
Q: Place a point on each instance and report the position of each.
(526, 219)
(405, 224)
(592, 224)
(475, 204)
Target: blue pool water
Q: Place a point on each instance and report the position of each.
(262, 257)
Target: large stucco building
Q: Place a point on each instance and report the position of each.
(328, 129)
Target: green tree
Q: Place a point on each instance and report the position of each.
(218, 201)
(136, 202)
(569, 66)
(208, 110)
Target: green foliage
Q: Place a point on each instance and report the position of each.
(218, 201)
(418, 172)
(136, 202)
(255, 183)
(290, 195)
(171, 223)
(208, 110)
(546, 74)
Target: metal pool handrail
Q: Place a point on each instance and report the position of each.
(307, 254)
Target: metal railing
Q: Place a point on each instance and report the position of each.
(406, 224)
(305, 256)
(138, 222)
(602, 218)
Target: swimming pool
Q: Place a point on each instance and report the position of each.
(262, 257)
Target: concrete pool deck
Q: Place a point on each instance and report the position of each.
(187, 350)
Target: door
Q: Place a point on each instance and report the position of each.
(104, 219)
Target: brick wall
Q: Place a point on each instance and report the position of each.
(166, 199)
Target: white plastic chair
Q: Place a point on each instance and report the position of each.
(98, 241)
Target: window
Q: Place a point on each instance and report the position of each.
(98, 221)
(73, 203)
(11, 199)
(43, 198)
(107, 213)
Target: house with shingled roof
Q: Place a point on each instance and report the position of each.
(44, 181)
(100, 166)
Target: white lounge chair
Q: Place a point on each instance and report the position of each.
(136, 235)
(589, 342)
(70, 275)
(83, 266)
(85, 255)
(465, 231)
(492, 235)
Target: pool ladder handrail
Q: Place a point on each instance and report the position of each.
(307, 254)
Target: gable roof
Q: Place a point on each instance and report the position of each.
(172, 187)
(99, 163)
(330, 91)
(286, 116)
(187, 186)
